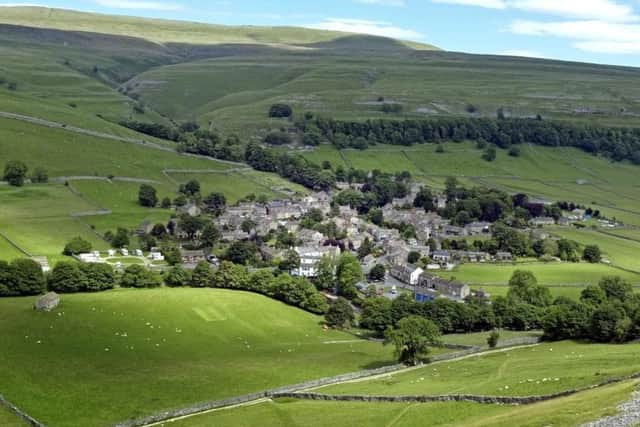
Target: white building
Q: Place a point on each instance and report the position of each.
(309, 258)
(91, 258)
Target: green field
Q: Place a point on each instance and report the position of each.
(37, 218)
(565, 412)
(237, 185)
(9, 419)
(541, 369)
(621, 252)
(480, 338)
(555, 273)
(132, 351)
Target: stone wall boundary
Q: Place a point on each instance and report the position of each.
(20, 413)
(294, 388)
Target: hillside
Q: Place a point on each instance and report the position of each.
(116, 67)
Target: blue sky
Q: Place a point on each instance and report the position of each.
(602, 31)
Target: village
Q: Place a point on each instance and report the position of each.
(315, 227)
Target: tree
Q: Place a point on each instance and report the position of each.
(66, 277)
(412, 338)
(413, 257)
(231, 276)
(215, 203)
(171, 253)
(378, 272)
(280, 111)
(348, 274)
(248, 225)
(147, 196)
(376, 315)
(492, 340)
(290, 262)
(166, 203)
(325, 272)
(15, 173)
(514, 151)
(76, 246)
(340, 314)
(592, 254)
(489, 154)
(593, 296)
(121, 238)
(524, 288)
(39, 175)
(210, 235)
(201, 276)
(616, 288)
(241, 252)
(191, 188)
(137, 276)
(27, 277)
(177, 277)
(98, 277)
(191, 225)
(609, 323)
(565, 320)
(262, 282)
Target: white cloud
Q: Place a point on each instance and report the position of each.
(606, 10)
(489, 4)
(140, 5)
(593, 36)
(396, 3)
(360, 26)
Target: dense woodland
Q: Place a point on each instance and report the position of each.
(616, 143)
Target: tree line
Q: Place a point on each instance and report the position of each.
(607, 312)
(23, 277)
(616, 143)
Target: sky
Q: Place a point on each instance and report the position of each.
(600, 31)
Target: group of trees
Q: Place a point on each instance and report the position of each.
(15, 173)
(378, 190)
(609, 312)
(617, 143)
(21, 277)
(296, 291)
(192, 139)
(292, 167)
(71, 276)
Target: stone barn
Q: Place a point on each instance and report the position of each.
(47, 302)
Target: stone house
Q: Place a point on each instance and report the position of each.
(406, 273)
(542, 220)
(478, 228)
(47, 302)
(192, 257)
(504, 256)
(450, 289)
(441, 257)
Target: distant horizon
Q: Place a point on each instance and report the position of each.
(590, 31)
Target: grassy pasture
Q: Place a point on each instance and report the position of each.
(37, 218)
(480, 338)
(542, 369)
(565, 412)
(237, 185)
(9, 419)
(558, 274)
(65, 153)
(131, 350)
(621, 252)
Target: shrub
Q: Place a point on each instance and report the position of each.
(280, 111)
(492, 340)
(136, 276)
(76, 246)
